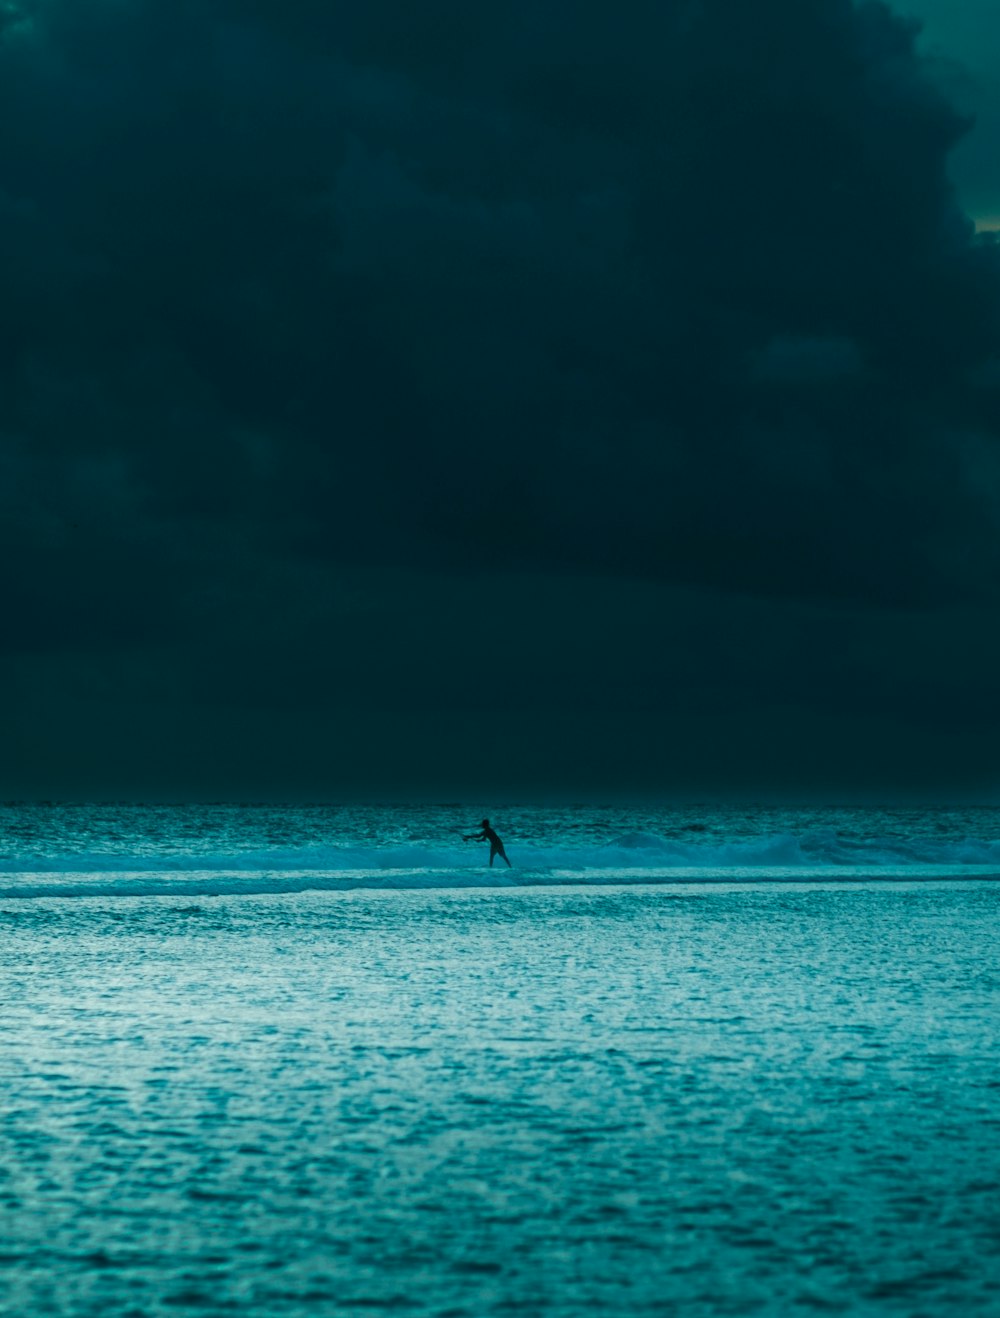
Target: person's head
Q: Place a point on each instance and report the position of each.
(485, 824)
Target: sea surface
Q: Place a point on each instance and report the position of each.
(322, 1059)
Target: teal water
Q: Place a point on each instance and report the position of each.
(79, 850)
(723, 1095)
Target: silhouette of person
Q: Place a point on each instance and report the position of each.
(488, 835)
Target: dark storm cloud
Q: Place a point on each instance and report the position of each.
(320, 322)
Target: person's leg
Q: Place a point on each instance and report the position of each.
(504, 854)
(493, 852)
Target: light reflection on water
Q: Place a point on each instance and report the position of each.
(698, 1101)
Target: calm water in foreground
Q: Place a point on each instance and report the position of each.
(294, 1062)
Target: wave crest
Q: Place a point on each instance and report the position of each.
(633, 857)
(626, 852)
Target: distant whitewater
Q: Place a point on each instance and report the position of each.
(129, 850)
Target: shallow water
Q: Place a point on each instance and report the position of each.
(703, 1099)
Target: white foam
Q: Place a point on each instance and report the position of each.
(626, 853)
(148, 868)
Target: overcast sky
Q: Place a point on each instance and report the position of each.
(439, 400)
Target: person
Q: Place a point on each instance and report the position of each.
(488, 835)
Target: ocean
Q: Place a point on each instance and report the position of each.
(318, 1059)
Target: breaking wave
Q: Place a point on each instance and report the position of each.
(628, 858)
